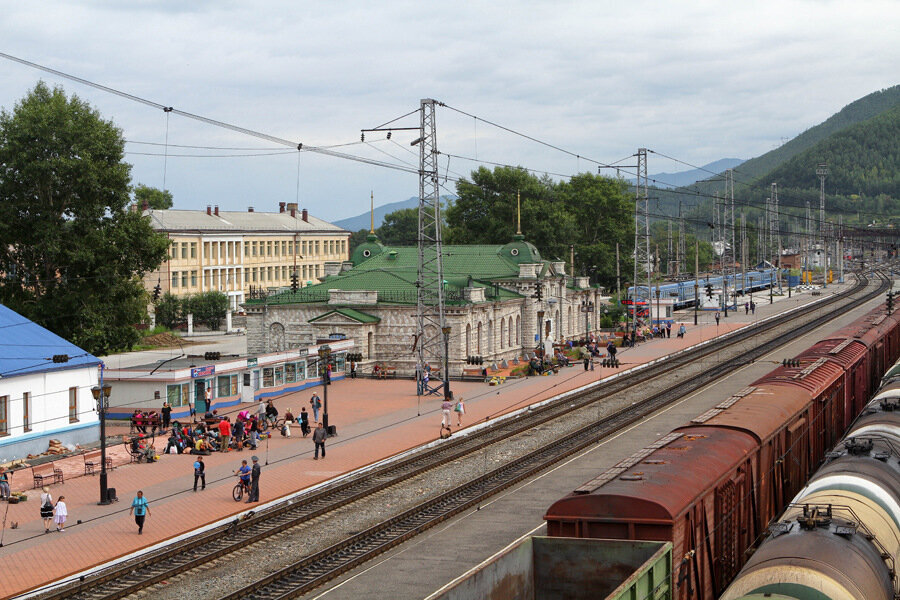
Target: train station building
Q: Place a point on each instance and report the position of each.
(490, 305)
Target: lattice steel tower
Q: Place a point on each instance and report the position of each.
(643, 268)
(430, 323)
(681, 244)
(775, 233)
(821, 172)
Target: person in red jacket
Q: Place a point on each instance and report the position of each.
(225, 434)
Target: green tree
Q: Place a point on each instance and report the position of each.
(156, 198)
(208, 308)
(72, 255)
(400, 228)
(168, 311)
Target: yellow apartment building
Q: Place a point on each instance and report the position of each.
(235, 252)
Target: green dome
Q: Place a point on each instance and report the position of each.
(371, 247)
(519, 251)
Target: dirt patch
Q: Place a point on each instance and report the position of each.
(164, 340)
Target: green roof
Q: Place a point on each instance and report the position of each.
(350, 313)
(392, 273)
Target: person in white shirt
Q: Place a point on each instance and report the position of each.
(61, 514)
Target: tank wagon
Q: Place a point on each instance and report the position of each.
(713, 486)
(840, 536)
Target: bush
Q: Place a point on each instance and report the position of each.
(168, 311)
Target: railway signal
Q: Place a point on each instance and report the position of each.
(475, 360)
(295, 284)
(790, 362)
(709, 292)
(890, 302)
(610, 362)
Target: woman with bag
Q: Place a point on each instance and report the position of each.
(46, 508)
(460, 409)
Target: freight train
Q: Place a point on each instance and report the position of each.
(840, 536)
(683, 292)
(713, 486)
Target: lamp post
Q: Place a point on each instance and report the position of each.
(101, 396)
(587, 307)
(446, 332)
(540, 315)
(324, 355)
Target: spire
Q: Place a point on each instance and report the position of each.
(518, 213)
(372, 210)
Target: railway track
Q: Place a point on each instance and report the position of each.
(314, 570)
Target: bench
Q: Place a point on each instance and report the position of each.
(384, 373)
(44, 473)
(92, 461)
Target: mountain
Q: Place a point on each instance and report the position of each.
(686, 178)
(363, 220)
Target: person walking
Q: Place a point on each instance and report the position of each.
(752, 307)
(166, 415)
(4, 484)
(460, 409)
(224, 435)
(199, 473)
(668, 329)
(304, 421)
(140, 508)
(319, 436)
(681, 330)
(61, 514)
(316, 404)
(46, 508)
(717, 318)
(446, 407)
(746, 308)
(254, 480)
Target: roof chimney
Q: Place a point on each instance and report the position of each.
(216, 212)
(208, 209)
(305, 215)
(281, 207)
(145, 205)
(249, 209)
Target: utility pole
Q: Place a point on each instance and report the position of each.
(776, 233)
(696, 278)
(733, 251)
(430, 321)
(809, 236)
(619, 285)
(669, 257)
(743, 256)
(641, 234)
(822, 172)
(841, 247)
(680, 266)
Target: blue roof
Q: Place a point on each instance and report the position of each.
(26, 347)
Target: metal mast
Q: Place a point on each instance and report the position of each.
(821, 172)
(679, 266)
(430, 321)
(642, 265)
(670, 266)
(729, 190)
(776, 234)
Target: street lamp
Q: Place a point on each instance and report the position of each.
(587, 307)
(101, 396)
(540, 315)
(324, 355)
(446, 332)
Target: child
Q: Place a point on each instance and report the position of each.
(61, 514)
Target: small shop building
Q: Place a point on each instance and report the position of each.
(216, 382)
(45, 389)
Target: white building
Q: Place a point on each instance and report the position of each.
(45, 389)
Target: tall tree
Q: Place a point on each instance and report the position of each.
(155, 198)
(72, 255)
(400, 228)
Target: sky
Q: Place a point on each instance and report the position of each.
(696, 81)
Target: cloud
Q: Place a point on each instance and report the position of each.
(699, 81)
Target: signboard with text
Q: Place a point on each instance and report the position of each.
(203, 371)
(252, 362)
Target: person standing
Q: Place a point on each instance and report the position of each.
(140, 508)
(254, 480)
(166, 415)
(209, 397)
(4, 484)
(460, 409)
(304, 421)
(46, 508)
(199, 473)
(224, 434)
(319, 436)
(752, 307)
(681, 330)
(61, 514)
(261, 411)
(446, 407)
(668, 329)
(316, 404)
(717, 318)
(746, 308)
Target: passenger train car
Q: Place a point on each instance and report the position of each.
(683, 292)
(713, 486)
(839, 538)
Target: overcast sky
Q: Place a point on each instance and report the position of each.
(697, 81)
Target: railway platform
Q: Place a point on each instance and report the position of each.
(374, 419)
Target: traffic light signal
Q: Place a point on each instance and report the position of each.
(156, 292)
(538, 292)
(295, 283)
(212, 355)
(474, 360)
(790, 362)
(709, 291)
(890, 302)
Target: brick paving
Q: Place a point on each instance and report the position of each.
(375, 419)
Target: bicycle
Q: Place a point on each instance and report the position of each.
(239, 490)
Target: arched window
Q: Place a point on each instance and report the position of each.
(490, 340)
(518, 331)
(571, 328)
(509, 329)
(370, 347)
(502, 333)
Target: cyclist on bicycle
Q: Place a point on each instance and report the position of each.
(244, 474)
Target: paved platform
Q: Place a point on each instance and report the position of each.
(375, 420)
